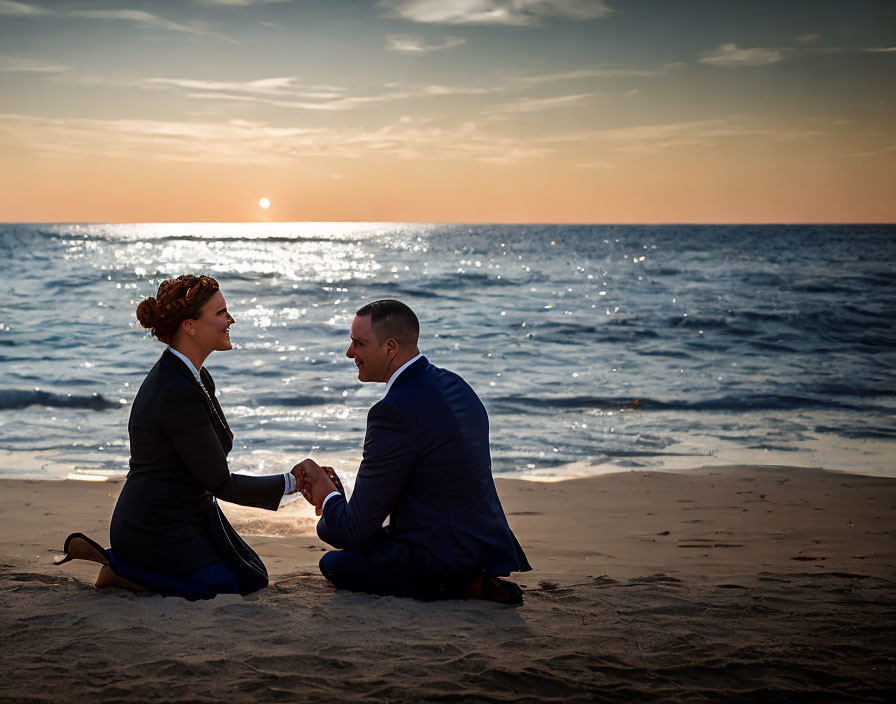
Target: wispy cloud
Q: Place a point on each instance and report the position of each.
(878, 152)
(588, 73)
(412, 44)
(139, 18)
(241, 141)
(277, 86)
(656, 137)
(242, 3)
(18, 64)
(20, 9)
(882, 50)
(288, 92)
(524, 105)
(808, 38)
(732, 56)
(515, 13)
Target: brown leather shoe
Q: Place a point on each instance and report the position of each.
(490, 588)
(107, 579)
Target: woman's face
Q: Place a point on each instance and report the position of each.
(211, 330)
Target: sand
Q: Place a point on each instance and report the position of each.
(729, 584)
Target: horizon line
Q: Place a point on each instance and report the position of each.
(449, 222)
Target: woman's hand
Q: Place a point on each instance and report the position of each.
(315, 482)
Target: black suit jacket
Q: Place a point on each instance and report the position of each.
(427, 466)
(166, 519)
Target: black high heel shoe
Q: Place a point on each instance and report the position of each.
(79, 547)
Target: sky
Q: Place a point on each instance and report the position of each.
(563, 111)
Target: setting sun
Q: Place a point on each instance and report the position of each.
(264, 203)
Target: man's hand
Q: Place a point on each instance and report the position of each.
(315, 483)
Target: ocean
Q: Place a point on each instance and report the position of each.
(594, 348)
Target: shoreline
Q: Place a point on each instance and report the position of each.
(44, 465)
(740, 584)
(615, 523)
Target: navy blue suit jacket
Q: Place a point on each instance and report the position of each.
(427, 466)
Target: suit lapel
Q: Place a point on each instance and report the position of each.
(215, 411)
(218, 412)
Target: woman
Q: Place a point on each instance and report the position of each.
(168, 533)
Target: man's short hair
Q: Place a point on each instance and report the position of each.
(390, 318)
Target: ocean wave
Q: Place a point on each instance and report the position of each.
(261, 240)
(760, 402)
(22, 398)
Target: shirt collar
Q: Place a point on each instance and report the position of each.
(186, 360)
(400, 370)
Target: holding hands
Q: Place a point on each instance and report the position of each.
(316, 483)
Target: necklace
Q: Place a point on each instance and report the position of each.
(214, 408)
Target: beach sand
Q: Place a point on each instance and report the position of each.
(732, 584)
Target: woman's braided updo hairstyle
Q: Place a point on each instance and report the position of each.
(177, 300)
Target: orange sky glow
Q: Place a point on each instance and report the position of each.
(414, 111)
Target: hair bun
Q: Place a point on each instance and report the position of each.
(148, 312)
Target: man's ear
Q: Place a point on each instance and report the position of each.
(392, 347)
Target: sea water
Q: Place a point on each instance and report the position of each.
(594, 348)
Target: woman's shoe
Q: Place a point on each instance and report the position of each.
(108, 579)
(79, 547)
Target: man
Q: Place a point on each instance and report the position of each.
(426, 466)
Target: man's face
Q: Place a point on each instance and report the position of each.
(371, 357)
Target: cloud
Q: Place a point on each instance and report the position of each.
(586, 73)
(137, 17)
(242, 141)
(242, 3)
(140, 18)
(808, 38)
(17, 64)
(653, 138)
(287, 92)
(878, 152)
(882, 50)
(524, 105)
(415, 45)
(514, 13)
(278, 86)
(20, 9)
(731, 56)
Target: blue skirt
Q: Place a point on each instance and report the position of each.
(204, 583)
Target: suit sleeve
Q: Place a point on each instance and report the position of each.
(186, 421)
(386, 465)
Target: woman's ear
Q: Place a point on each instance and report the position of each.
(188, 326)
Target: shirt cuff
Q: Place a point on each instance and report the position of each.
(289, 482)
(328, 497)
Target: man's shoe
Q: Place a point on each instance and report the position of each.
(490, 588)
